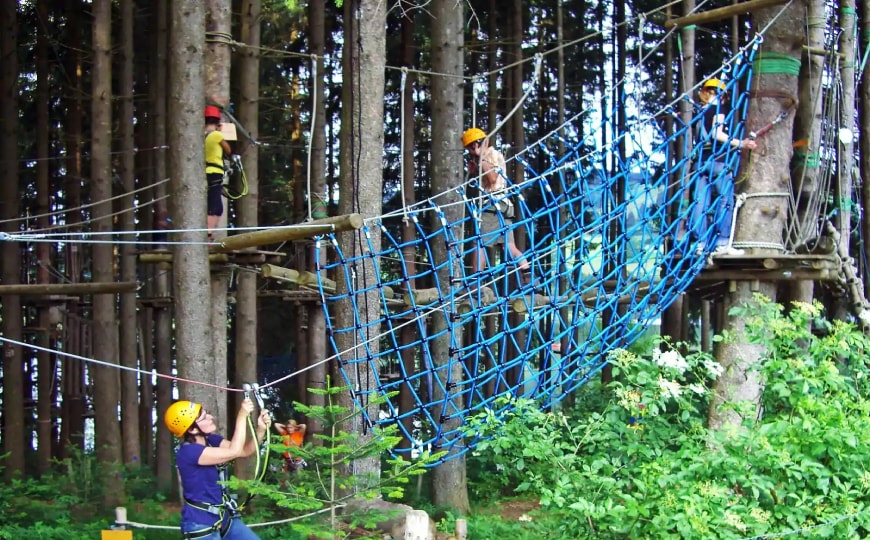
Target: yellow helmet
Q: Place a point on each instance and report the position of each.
(715, 83)
(472, 135)
(180, 416)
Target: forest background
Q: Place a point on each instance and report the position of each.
(101, 125)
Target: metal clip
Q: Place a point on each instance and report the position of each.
(256, 388)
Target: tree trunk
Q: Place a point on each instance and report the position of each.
(107, 434)
(761, 219)
(45, 372)
(846, 148)
(246, 285)
(128, 346)
(190, 268)
(408, 331)
(807, 143)
(362, 124)
(316, 317)
(11, 325)
(157, 91)
(73, 373)
(864, 130)
(674, 318)
(449, 488)
(217, 90)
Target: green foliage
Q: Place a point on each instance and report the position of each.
(327, 482)
(488, 524)
(67, 501)
(636, 460)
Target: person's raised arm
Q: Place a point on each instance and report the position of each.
(225, 146)
(723, 137)
(232, 449)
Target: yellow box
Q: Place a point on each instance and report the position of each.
(117, 535)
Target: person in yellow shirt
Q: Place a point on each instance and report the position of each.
(216, 147)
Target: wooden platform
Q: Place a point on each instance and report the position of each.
(770, 267)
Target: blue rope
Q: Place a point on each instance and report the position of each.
(596, 255)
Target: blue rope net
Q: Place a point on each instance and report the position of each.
(606, 258)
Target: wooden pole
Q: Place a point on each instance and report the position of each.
(150, 257)
(293, 232)
(721, 13)
(69, 288)
(300, 278)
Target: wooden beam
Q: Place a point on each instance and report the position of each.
(41, 289)
(300, 279)
(293, 232)
(166, 257)
(781, 274)
(722, 13)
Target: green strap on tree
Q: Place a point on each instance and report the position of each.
(777, 64)
(809, 161)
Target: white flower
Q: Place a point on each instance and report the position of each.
(671, 359)
(698, 388)
(713, 367)
(670, 388)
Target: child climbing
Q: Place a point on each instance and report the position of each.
(491, 165)
(292, 435)
(713, 174)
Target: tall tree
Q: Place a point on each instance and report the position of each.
(190, 268)
(864, 130)
(362, 150)
(848, 24)
(128, 339)
(761, 219)
(11, 325)
(218, 34)
(157, 91)
(45, 370)
(107, 434)
(317, 197)
(73, 371)
(246, 285)
(449, 487)
(807, 143)
(672, 318)
(408, 331)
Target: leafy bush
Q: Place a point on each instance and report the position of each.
(636, 460)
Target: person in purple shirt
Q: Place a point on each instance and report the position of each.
(208, 511)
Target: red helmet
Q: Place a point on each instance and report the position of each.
(212, 112)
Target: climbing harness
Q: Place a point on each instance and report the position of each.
(229, 508)
(226, 511)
